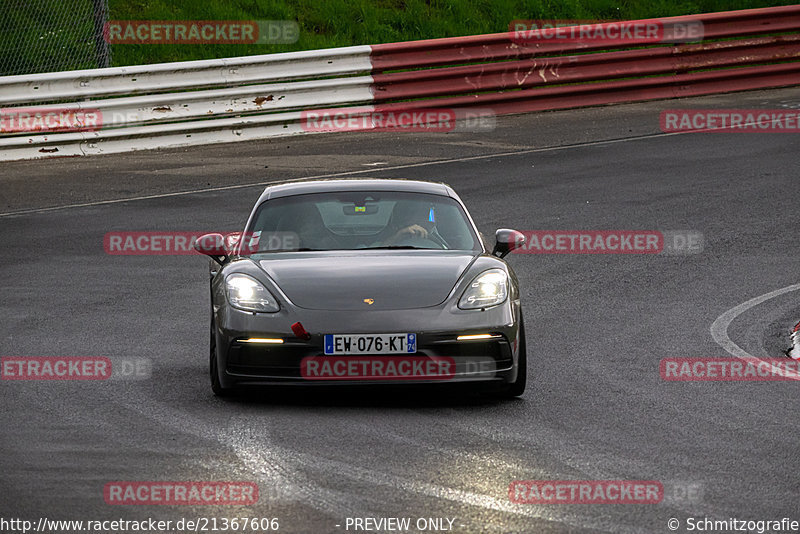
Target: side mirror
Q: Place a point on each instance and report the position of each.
(507, 240)
(211, 245)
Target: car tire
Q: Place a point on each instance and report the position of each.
(213, 368)
(517, 387)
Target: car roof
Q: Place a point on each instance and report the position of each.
(303, 187)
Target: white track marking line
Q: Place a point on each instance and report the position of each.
(462, 497)
(346, 173)
(336, 174)
(719, 328)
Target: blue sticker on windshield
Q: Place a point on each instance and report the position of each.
(431, 216)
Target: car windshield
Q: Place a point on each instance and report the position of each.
(357, 220)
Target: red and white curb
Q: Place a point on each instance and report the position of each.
(794, 352)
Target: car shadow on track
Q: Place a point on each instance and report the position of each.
(368, 396)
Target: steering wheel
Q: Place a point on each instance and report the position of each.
(436, 237)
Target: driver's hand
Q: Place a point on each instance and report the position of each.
(414, 230)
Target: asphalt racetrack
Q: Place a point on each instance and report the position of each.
(596, 407)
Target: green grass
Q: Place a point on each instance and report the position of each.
(332, 23)
(46, 35)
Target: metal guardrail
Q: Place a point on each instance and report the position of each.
(502, 46)
(162, 77)
(255, 97)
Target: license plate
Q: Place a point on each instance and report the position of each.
(370, 343)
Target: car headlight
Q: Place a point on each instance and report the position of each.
(246, 293)
(489, 288)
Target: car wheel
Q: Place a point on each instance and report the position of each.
(213, 368)
(517, 387)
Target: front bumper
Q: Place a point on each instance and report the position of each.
(486, 361)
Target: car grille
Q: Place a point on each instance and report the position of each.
(284, 360)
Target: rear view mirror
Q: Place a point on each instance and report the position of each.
(211, 245)
(506, 241)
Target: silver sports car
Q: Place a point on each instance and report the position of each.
(363, 282)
